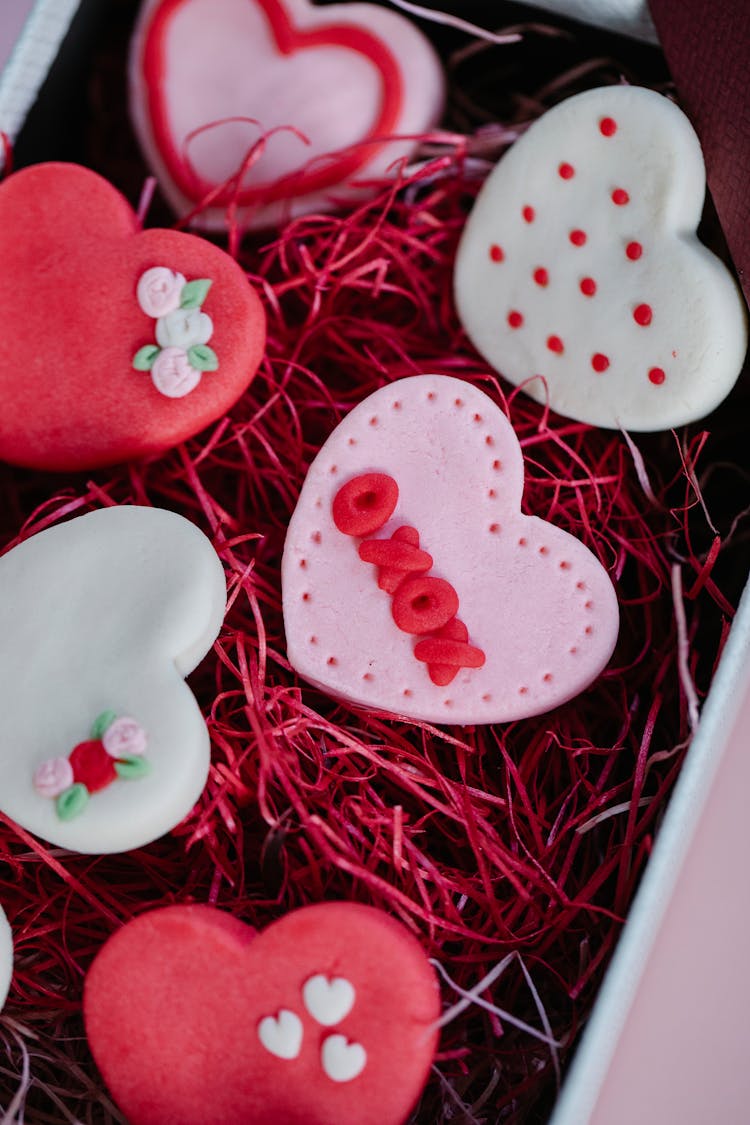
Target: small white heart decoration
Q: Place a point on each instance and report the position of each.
(342, 1061)
(329, 1000)
(281, 1035)
(6, 957)
(107, 613)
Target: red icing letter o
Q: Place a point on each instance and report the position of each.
(423, 605)
(364, 504)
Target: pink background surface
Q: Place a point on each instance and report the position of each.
(13, 15)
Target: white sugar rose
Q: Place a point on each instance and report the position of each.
(159, 290)
(53, 777)
(183, 328)
(124, 738)
(172, 373)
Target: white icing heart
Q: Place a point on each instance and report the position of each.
(342, 1061)
(328, 999)
(536, 602)
(104, 616)
(580, 263)
(6, 957)
(220, 63)
(281, 1035)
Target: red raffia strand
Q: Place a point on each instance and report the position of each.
(512, 852)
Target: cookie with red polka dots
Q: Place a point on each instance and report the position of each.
(412, 582)
(6, 957)
(329, 1015)
(579, 275)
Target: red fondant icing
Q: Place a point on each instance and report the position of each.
(599, 362)
(72, 257)
(634, 251)
(643, 315)
(447, 652)
(497, 253)
(529, 214)
(657, 376)
(541, 276)
(92, 765)
(588, 286)
(608, 126)
(620, 197)
(515, 318)
(555, 344)
(364, 504)
(566, 171)
(289, 40)
(174, 1001)
(397, 557)
(578, 237)
(423, 605)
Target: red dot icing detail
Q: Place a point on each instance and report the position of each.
(588, 286)
(566, 171)
(600, 362)
(578, 237)
(396, 557)
(92, 765)
(608, 126)
(620, 197)
(423, 605)
(643, 315)
(497, 254)
(515, 318)
(657, 376)
(541, 277)
(529, 214)
(555, 344)
(364, 504)
(634, 251)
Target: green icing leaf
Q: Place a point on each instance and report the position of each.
(194, 293)
(132, 767)
(102, 722)
(72, 801)
(203, 358)
(144, 358)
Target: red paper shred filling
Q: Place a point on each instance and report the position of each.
(513, 851)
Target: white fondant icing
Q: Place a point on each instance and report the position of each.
(109, 611)
(328, 999)
(183, 328)
(696, 340)
(6, 957)
(342, 1061)
(281, 1035)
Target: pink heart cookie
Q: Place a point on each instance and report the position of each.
(209, 77)
(476, 613)
(195, 1020)
(580, 263)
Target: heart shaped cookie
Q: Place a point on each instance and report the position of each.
(107, 328)
(193, 1019)
(412, 583)
(209, 78)
(102, 745)
(580, 264)
(6, 957)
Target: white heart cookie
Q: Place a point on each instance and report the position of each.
(6, 957)
(329, 1000)
(580, 263)
(538, 610)
(102, 745)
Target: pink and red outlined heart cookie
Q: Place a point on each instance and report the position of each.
(208, 78)
(580, 263)
(118, 343)
(413, 584)
(327, 1016)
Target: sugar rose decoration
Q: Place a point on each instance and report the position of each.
(114, 750)
(181, 353)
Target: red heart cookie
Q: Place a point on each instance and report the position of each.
(208, 78)
(107, 328)
(414, 584)
(327, 1016)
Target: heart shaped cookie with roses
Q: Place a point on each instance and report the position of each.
(118, 343)
(412, 582)
(327, 1016)
(103, 747)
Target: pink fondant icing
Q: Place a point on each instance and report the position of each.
(158, 291)
(125, 737)
(172, 373)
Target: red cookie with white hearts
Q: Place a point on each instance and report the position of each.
(327, 1016)
(118, 342)
(580, 264)
(412, 583)
(324, 85)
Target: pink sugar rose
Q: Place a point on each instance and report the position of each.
(172, 373)
(124, 738)
(53, 777)
(159, 290)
